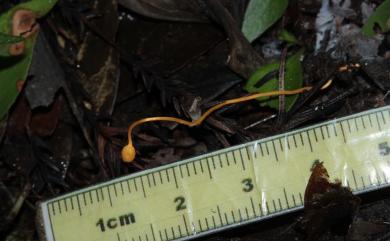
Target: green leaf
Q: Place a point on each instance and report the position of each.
(381, 16)
(293, 80)
(5, 41)
(260, 15)
(288, 37)
(14, 69)
(9, 39)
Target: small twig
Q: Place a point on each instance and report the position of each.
(282, 73)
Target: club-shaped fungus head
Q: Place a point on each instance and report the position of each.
(128, 153)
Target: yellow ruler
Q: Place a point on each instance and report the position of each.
(226, 188)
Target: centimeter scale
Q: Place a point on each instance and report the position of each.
(226, 188)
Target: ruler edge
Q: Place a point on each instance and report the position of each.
(44, 217)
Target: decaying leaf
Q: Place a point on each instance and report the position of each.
(175, 10)
(265, 79)
(243, 59)
(43, 78)
(260, 15)
(328, 206)
(100, 68)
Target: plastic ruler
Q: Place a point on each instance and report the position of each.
(225, 188)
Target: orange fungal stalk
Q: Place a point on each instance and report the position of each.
(129, 152)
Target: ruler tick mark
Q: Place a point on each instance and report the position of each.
(78, 205)
(66, 205)
(97, 195)
(349, 126)
(354, 179)
(308, 139)
(356, 124)
(275, 153)
(154, 179)
(121, 185)
(181, 171)
(220, 161)
(234, 218)
(227, 159)
(128, 186)
(185, 224)
(280, 204)
(59, 206)
(315, 135)
(261, 149)
(377, 121)
(226, 219)
(342, 131)
(322, 133)
(166, 234)
(173, 233)
(90, 197)
(362, 120)
(174, 176)
(143, 187)
(334, 129)
(285, 196)
(166, 172)
(274, 204)
(115, 191)
(234, 157)
(364, 185)
(266, 147)
(200, 226)
(246, 212)
(161, 237)
(369, 118)
(179, 228)
(53, 210)
(194, 167)
(288, 142)
(153, 235)
(295, 141)
(327, 131)
(280, 144)
(261, 210)
(148, 178)
(109, 194)
(207, 223)
(383, 118)
(160, 176)
(188, 170)
(219, 214)
(208, 168)
(71, 203)
(242, 159)
(300, 197)
(253, 207)
(201, 166)
(135, 184)
(84, 199)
